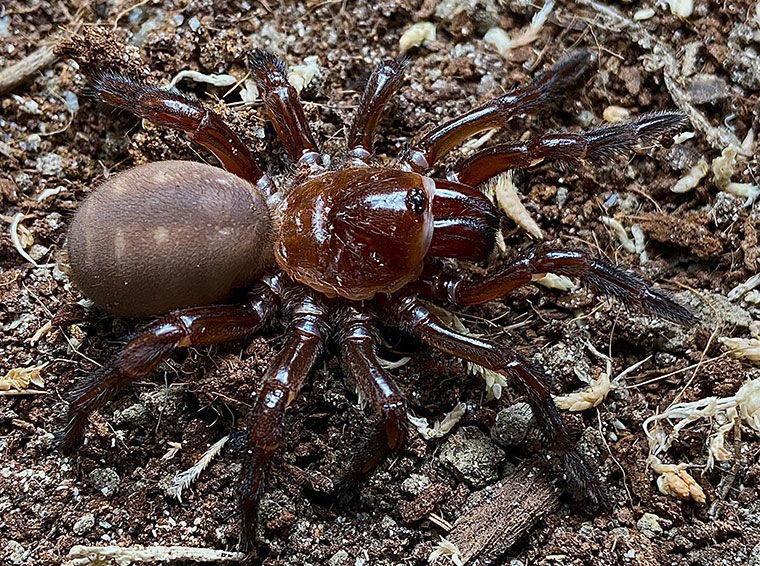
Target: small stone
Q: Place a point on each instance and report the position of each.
(415, 484)
(50, 164)
(135, 415)
(15, 552)
(84, 524)
(106, 480)
(473, 456)
(754, 556)
(649, 525)
(512, 424)
(339, 558)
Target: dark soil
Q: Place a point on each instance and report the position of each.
(57, 144)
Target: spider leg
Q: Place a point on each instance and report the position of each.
(544, 91)
(595, 145)
(285, 109)
(172, 110)
(358, 340)
(384, 81)
(414, 316)
(597, 273)
(266, 421)
(199, 326)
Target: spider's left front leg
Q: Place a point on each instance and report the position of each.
(358, 342)
(283, 380)
(413, 315)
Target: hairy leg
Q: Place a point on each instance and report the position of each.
(198, 326)
(595, 145)
(266, 422)
(540, 94)
(172, 110)
(597, 273)
(414, 316)
(284, 109)
(358, 338)
(384, 81)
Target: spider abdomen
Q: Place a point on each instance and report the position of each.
(169, 235)
(356, 232)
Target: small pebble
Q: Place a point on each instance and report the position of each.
(512, 424)
(106, 480)
(472, 456)
(84, 524)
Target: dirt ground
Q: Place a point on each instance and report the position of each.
(499, 502)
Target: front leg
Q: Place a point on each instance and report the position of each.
(540, 94)
(599, 274)
(414, 316)
(283, 380)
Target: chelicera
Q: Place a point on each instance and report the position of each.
(348, 241)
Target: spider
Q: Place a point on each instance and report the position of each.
(341, 246)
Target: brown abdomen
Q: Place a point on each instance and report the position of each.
(169, 235)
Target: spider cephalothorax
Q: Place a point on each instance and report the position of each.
(337, 248)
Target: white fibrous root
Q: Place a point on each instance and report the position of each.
(185, 479)
(441, 427)
(691, 180)
(554, 281)
(616, 114)
(195, 76)
(500, 40)
(637, 245)
(597, 389)
(505, 193)
(726, 412)
(21, 238)
(723, 168)
(446, 548)
(743, 348)
(250, 91)
(683, 136)
(594, 394)
(743, 288)
(643, 14)
(299, 76)
(675, 481)
(123, 556)
(681, 8)
(421, 33)
(18, 379)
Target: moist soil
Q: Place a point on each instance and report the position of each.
(57, 145)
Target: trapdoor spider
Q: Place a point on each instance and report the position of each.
(335, 249)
